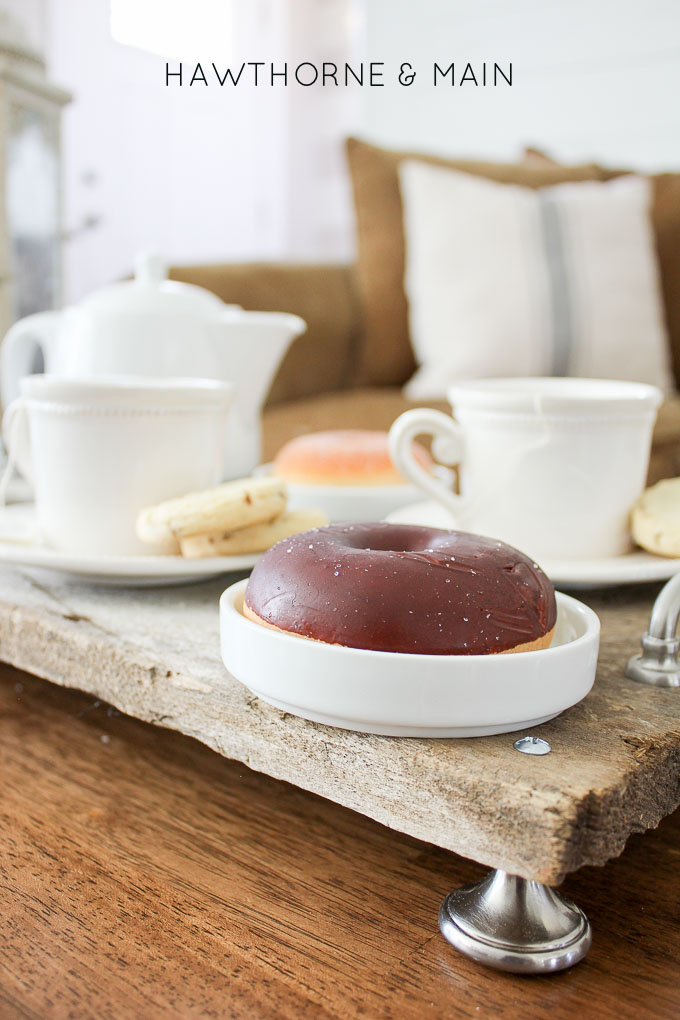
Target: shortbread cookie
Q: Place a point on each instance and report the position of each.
(655, 520)
(226, 508)
(254, 539)
(168, 547)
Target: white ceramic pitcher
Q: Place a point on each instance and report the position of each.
(152, 326)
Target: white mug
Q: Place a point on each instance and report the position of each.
(552, 466)
(98, 451)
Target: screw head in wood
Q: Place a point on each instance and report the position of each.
(532, 745)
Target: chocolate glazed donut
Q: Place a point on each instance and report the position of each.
(401, 588)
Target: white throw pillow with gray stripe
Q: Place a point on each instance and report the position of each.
(507, 281)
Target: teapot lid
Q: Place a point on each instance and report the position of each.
(152, 292)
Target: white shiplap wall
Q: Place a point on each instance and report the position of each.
(592, 78)
(207, 176)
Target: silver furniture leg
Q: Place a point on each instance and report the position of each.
(658, 663)
(515, 925)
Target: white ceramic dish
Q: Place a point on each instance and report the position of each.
(19, 546)
(345, 503)
(412, 695)
(635, 567)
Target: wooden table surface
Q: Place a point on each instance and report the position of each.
(145, 876)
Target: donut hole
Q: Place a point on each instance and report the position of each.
(394, 539)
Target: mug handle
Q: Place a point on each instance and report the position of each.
(17, 442)
(447, 448)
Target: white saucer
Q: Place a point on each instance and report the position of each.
(347, 503)
(403, 695)
(18, 547)
(635, 567)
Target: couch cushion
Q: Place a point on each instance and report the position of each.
(376, 408)
(387, 358)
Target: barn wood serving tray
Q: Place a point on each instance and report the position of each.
(614, 767)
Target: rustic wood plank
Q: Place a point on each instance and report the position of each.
(615, 767)
(141, 875)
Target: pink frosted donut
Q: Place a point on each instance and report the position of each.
(347, 457)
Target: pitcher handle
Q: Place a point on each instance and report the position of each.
(22, 342)
(447, 448)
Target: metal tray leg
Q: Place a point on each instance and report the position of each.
(515, 925)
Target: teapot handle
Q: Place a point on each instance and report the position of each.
(25, 343)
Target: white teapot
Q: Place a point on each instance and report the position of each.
(152, 326)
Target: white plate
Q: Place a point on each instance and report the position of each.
(402, 695)
(634, 568)
(346, 503)
(18, 546)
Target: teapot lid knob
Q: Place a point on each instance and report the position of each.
(150, 269)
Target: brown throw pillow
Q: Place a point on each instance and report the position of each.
(387, 357)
